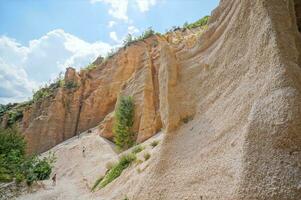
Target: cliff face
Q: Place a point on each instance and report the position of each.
(243, 79)
(147, 70)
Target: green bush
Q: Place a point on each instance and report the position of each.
(41, 94)
(137, 149)
(146, 156)
(35, 168)
(199, 23)
(12, 151)
(124, 119)
(48, 89)
(5, 108)
(117, 169)
(14, 111)
(128, 40)
(14, 116)
(70, 85)
(154, 143)
(146, 34)
(15, 165)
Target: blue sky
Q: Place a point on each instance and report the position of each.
(40, 38)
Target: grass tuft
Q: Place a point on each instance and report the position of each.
(154, 143)
(146, 156)
(96, 183)
(137, 149)
(117, 169)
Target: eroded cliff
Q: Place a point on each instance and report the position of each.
(228, 98)
(148, 70)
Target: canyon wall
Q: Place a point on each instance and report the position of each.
(146, 70)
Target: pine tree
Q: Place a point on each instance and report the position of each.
(124, 119)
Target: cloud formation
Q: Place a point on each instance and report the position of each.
(113, 36)
(111, 24)
(144, 5)
(119, 8)
(24, 68)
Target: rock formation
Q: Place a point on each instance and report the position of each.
(227, 97)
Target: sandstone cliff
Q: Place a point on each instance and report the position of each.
(147, 70)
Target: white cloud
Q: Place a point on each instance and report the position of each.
(144, 5)
(113, 36)
(15, 85)
(23, 68)
(133, 30)
(118, 8)
(111, 24)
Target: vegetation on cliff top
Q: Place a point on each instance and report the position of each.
(146, 34)
(124, 119)
(199, 23)
(14, 164)
(14, 112)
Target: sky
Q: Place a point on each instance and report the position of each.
(40, 38)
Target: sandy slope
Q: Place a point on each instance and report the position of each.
(242, 80)
(77, 173)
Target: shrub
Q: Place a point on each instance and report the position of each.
(14, 163)
(124, 115)
(187, 119)
(146, 156)
(147, 33)
(41, 94)
(13, 116)
(35, 168)
(138, 162)
(128, 40)
(5, 108)
(154, 143)
(12, 151)
(48, 89)
(117, 169)
(199, 23)
(11, 141)
(14, 111)
(139, 170)
(137, 149)
(70, 85)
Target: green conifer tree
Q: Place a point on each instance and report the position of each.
(124, 119)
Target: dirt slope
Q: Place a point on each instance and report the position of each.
(77, 173)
